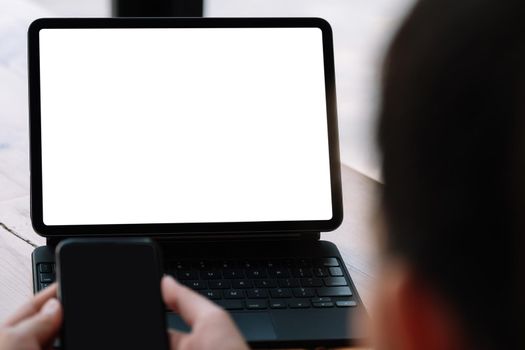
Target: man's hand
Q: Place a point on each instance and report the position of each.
(35, 325)
(211, 326)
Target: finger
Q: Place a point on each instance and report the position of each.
(33, 306)
(44, 325)
(190, 305)
(175, 338)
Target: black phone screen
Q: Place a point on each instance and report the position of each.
(110, 292)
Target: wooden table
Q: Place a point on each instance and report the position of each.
(17, 238)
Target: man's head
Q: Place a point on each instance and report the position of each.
(452, 136)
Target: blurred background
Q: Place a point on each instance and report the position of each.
(361, 30)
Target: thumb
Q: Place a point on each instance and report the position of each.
(44, 325)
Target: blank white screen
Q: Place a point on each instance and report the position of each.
(174, 125)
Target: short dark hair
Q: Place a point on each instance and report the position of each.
(452, 137)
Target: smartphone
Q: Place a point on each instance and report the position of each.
(110, 293)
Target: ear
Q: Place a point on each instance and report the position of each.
(426, 320)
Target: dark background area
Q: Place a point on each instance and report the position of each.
(157, 8)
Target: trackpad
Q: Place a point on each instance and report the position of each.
(255, 326)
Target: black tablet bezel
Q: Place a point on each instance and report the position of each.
(160, 229)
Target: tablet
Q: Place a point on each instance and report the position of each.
(183, 126)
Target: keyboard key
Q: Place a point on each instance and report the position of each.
(336, 271)
(322, 271)
(277, 305)
(327, 262)
(303, 292)
(197, 285)
(219, 284)
(320, 300)
(231, 304)
(203, 265)
(289, 263)
(256, 273)
(299, 304)
(44, 285)
(47, 278)
(334, 292)
(228, 264)
(212, 294)
(187, 275)
(323, 304)
(335, 281)
(257, 293)
(302, 272)
(304, 263)
(279, 273)
(235, 273)
(265, 283)
(45, 268)
(242, 284)
(289, 282)
(281, 293)
(211, 274)
(345, 303)
(256, 304)
(272, 264)
(311, 282)
(179, 265)
(250, 264)
(233, 294)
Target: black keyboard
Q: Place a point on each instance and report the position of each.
(246, 284)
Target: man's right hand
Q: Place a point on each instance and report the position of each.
(211, 326)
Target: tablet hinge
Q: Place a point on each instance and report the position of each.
(53, 241)
(310, 236)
